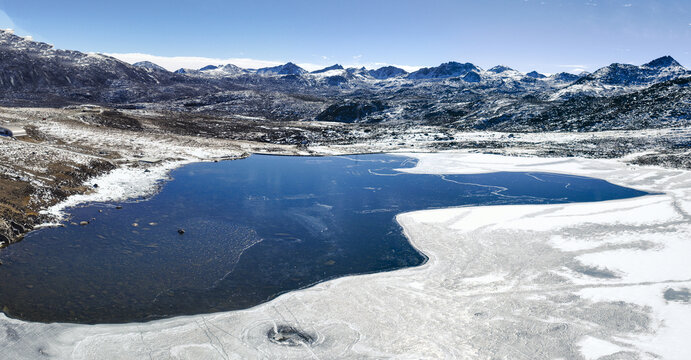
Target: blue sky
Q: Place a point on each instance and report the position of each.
(549, 36)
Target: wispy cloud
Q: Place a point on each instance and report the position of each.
(571, 65)
(628, 5)
(173, 63)
(574, 68)
(7, 23)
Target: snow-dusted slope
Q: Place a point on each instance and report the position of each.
(387, 72)
(618, 78)
(445, 70)
(285, 69)
(149, 66)
(31, 65)
(328, 68)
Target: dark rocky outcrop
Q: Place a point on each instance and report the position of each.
(351, 111)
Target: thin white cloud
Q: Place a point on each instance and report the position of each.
(628, 5)
(173, 63)
(7, 23)
(574, 68)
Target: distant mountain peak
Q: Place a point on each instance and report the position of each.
(565, 77)
(29, 65)
(386, 72)
(149, 65)
(232, 69)
(285, 69)
(500, 69)
(328, 68)
(209, 67)
(535, 75)
(663, 62)
(445, 70)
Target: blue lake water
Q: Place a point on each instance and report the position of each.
(254, 228)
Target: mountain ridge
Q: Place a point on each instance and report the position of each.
(460, 95)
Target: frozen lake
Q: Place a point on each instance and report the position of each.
(254, 228)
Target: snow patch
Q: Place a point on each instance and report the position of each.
(118, 185)
(593, 348)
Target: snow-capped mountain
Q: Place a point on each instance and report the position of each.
(285, 69)
(564, 77)
(233, 69)
(328, 68)
(665, 62)
(455, 94)
(149, 66)
(387, 72)
(535, 75)
(214, 71)
(623, 78)
(31, 65)
(500, 69)
(658, 70)
(665, 104)
(445, 70)
(504, 73)
(222, 70)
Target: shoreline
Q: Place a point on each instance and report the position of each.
(340, 311)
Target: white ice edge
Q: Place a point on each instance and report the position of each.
(493, 286)
(120, 184)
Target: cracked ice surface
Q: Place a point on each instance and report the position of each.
(584, 280)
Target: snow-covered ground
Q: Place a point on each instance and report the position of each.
(572, 281)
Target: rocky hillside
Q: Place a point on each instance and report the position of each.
(453, 94)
